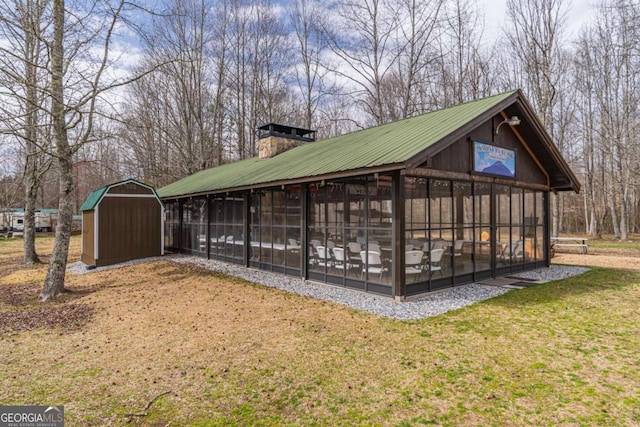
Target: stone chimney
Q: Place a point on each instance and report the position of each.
(274, 139)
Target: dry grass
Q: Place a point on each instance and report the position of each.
(232, 353)
(605, 253)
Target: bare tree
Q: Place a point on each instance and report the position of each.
(535, 35)
(464, 70)
(311, 73)
(418, 33)
(22, 25)
(75, 90)
(610, 95)
(258, 63)
(364, 38)
(183, 35)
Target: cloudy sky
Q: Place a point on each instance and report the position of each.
(580, 11)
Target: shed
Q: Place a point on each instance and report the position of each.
(121, 222)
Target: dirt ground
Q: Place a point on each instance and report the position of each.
(628, 259)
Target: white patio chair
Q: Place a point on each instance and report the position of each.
(324, 257)
(413, 263)
(372, 263)
(313, 256)
(513, 251)
(435, 261)
(340, 262)
(457, 247)
(202, 242)
(354, 254)
(374, 247)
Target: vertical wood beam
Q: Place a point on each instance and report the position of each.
(304, 231)
(180, 225)
(398, 277)
(493, 229)
(547, 228)
(208, 230)
(246, 229)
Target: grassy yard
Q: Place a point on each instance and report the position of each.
(634, 245)
(227, 352)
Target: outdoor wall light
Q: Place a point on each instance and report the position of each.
(513, 121)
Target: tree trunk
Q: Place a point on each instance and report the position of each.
(31, 25)
(29, 235)
(31, 180)
(54, 281)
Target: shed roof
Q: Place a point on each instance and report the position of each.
(386, 147)
(96, 195)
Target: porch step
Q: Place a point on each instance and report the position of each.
(508, 282)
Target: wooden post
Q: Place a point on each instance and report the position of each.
(208, 229)
(246, 238)
(547, 228)
(398, 277)
(304, 231)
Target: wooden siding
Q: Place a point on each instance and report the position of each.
(130, 188)
(88, 257)
(129, 228)
(458, 157)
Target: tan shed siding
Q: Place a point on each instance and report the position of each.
(88, 238)
(129, 228)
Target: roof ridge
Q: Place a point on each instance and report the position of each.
(462, 104)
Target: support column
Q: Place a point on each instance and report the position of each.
(208, 230)
(493, 230)
(246, 228)
(304, 231)
(180, 225)
(547, 228)
(398, 277)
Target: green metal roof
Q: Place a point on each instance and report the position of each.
(93, 198)
(385, 145)
(96, 195)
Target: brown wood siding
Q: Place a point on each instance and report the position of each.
(88, 257)
(129, 228)
(457, 157)
(129, 188)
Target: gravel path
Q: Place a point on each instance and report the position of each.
(415, 308)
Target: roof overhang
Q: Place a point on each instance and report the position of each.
(295, 181)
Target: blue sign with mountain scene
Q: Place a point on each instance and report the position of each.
(494, 160)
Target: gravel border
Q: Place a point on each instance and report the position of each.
(421, 307)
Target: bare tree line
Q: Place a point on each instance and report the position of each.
(355, 64)
(360, 63)
(607, 66)
(333, 67)
(349, 64)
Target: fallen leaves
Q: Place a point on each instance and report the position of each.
(66, 317)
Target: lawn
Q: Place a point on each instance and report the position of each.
(217, 351)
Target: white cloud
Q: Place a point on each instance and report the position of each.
(495, 11)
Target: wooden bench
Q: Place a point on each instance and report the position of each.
(569, 242)
(583, 246)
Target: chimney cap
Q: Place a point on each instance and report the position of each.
(286, 131)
